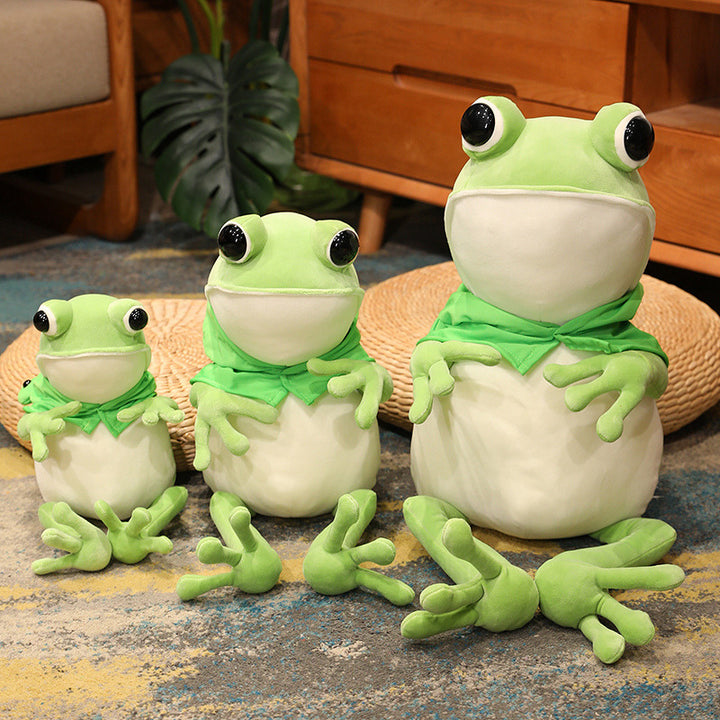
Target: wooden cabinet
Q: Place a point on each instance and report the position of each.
(383, 87)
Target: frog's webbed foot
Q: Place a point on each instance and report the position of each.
(332, 564)
(136, 538)
(86, 545)
(574, 586)
(255, 566)
(491, 593)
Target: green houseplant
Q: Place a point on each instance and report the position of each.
(221, 128)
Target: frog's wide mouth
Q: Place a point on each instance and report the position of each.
(284, 328)
(95, 377)
(548, 255)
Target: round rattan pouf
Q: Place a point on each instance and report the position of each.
(394, 315)
(399, 311)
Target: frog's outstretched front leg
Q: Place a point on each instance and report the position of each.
(369, 378)
(430, 369)
(332, 564)
(135, 539)
(214, 406)
(632, 374)
(36, 426)
(574, 585)
(255, 565)
(152, 410)
(87, 546)
(490, 592)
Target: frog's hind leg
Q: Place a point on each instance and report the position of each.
(332, 564)
(255, 566)
(574, 585)
(86, 545)
(135, 539)
(490, 592)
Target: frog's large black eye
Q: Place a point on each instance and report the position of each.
(41, 321)
(477, 125)
(135, 319)
(638, 138)
(343, 248)
(233, 242)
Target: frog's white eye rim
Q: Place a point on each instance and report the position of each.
(135, 319)
(342, 236)
(45, 321)
(248, 243)
(619, 138)
(497, 134)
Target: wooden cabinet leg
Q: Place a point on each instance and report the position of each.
(373, 216)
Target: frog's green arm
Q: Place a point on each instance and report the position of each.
(35, 426)
(370, 378)
(213, 408)
(331, 566)
(87, 547)
(152, 410)
(430, 369)
(633, 374)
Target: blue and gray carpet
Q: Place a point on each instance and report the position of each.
(120, 643)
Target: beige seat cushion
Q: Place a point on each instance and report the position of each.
(53, 54)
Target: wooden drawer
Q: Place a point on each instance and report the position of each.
(560, 52)
(683, 181)
(410, 129)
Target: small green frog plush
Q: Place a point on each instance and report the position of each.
(550, 228)
(100, 448)
(286, 411)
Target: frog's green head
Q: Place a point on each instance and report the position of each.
(283, 288)
(92, 347)
(549, 217)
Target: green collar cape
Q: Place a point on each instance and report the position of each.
(605, 329)
(39, 395)
(238, 373)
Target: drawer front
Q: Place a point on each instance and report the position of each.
(369, 119)
(683, 180)
(564, 52)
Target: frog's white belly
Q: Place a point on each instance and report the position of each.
(302, 463)
(127, 472)
(505, 450)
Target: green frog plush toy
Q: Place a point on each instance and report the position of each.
(99, 436)
(550, 228)
(286, 411)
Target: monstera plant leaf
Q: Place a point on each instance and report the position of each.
(221, 136)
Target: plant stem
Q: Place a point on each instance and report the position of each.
(192, 32)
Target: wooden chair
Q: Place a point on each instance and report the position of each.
(106, 127)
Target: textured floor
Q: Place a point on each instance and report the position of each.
(120, 644)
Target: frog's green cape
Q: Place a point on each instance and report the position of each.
(605, 329)
(238, 373)
(39, 395)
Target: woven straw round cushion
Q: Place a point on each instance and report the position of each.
(394, 315)
(399, 311)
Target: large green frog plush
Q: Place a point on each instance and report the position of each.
(550, 228)
(99, 436)
(286, 411)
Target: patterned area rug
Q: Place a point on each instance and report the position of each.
(121, 644)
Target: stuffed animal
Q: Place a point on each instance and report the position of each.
(99, 436)
(550, 228)
(286, 411)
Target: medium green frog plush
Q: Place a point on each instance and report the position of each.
(99, 436)
(550, 228)
(286, 411)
